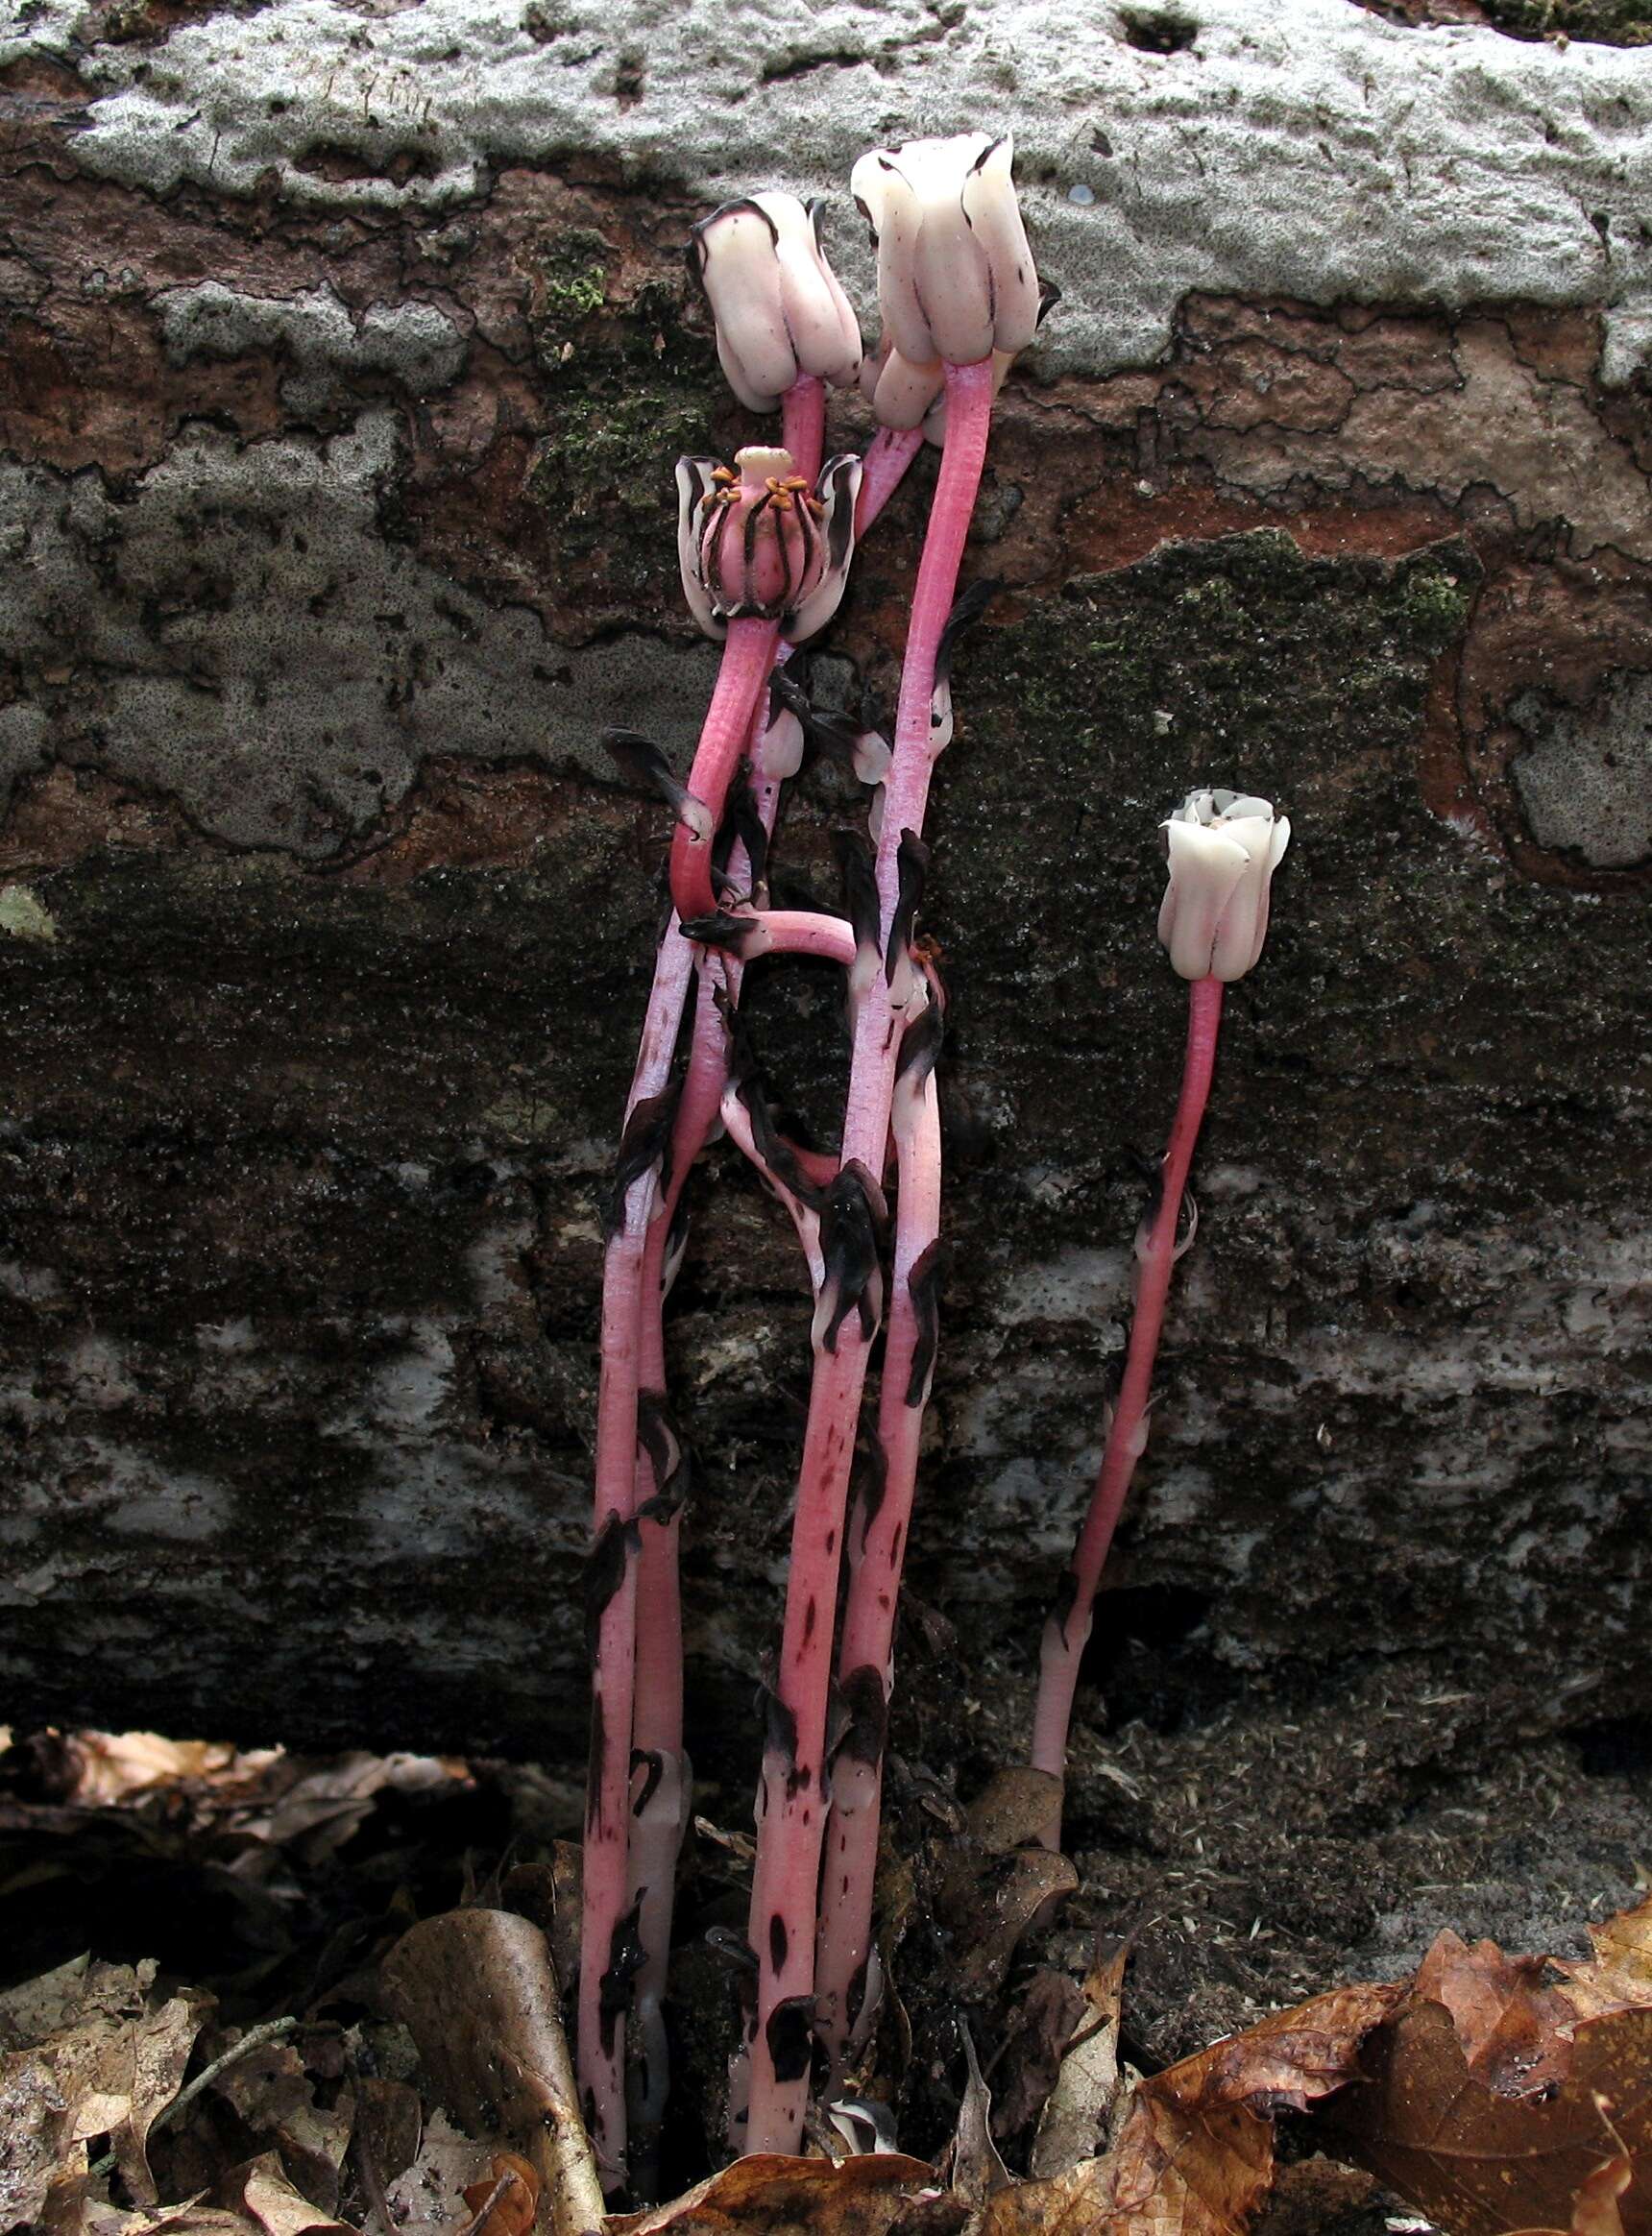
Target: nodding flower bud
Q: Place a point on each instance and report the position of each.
(955, 279)
(780, 312)
(1222, 848)
(756, 543)
(903, 395)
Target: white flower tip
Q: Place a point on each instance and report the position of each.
(1222, 848)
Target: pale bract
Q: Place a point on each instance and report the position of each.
(1222, 848)
(956, 278)
(756, 542)
(779, 309)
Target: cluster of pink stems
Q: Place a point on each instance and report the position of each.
(810, 1988)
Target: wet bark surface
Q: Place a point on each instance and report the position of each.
(334, 535)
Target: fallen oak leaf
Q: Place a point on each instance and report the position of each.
(1619, 1973)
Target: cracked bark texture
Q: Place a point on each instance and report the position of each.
(348, 352)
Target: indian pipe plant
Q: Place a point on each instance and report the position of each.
(764, 547)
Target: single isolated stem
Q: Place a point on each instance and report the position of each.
(792, 1793)
(1068, 1627)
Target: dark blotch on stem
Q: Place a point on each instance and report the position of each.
(868, 1713)
(923, 1286)
(791, 2037)
(778, 1942)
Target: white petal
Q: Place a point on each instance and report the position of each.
(904, 392)
(840, 486)
(1204, 868)
(693, 481)
(990, 202)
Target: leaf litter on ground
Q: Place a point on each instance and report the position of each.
(422, 2086)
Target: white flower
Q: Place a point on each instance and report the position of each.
(955, 279)
(780, 312)
(755, 542)
(1222, 848)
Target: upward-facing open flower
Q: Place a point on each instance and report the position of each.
(780, 312)
(955, 273)
(1222, 848)
(755, 543)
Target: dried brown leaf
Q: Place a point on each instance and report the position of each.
(1077, 2110)
(770, 2196)
(1026, 2066)
(504, 2200)
(1596, 2209)
(1506, 2021)
(976, 2168)
(275, 2096)
(426, 2199)
(1479, 2162)
(261, 2190)
(1195, 2155)
(1620, 1973)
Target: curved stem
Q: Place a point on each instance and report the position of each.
(1069, 1626)
(748, 655)
(792, 1793)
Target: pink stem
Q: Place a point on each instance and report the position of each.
(846, 1987)
(803, 426)
(793, 1796)
(889, 455)
(601, 2027)
(1069, 1626)
(748, 656)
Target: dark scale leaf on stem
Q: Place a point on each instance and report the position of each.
(869, 1712)
(967, 609)
(645, 1143)
(625, 1959)
(779, 1728)
(860, 889)
(869, 1478)
(652, 1763)
(643, 763)
(778, 1942)
(745, 1073)
(829, 732)
(920, 1046)
(851, 1223)
(661, 1442)
(723, 928)
(912, 865)
(923, 1284)
(604, 1574)
(1066, 1594)
(741, 825)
